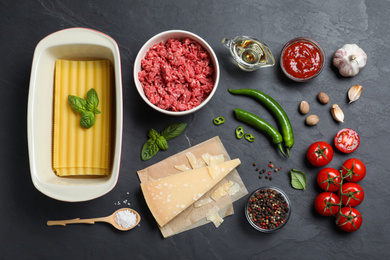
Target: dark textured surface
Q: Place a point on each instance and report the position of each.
(24, 210)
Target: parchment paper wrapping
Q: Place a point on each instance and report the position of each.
(194, 217)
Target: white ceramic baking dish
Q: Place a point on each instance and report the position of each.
(74, 43)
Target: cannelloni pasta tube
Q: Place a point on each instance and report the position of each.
(76, 150)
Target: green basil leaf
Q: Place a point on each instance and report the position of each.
(96, 111)
(298, 179)
(87, 119)
(162, 143)
(153, 134)
(92, 99)
(149, 149)
(77, 104)
(173, 130)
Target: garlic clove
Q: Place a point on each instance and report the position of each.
(354, 93)
(337, 113)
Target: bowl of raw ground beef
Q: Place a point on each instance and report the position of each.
(176, 72)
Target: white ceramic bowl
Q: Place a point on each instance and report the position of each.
(68, 43)
(163, 37)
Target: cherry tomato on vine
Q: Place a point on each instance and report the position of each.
(353, 194)
(353, 170)
(347, 140)
(319, 153)
(329, 179)
(349, 219)
(326, 204)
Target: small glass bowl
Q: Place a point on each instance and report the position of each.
(312, 42)
(287, 216)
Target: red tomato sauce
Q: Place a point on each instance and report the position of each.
(302, 60)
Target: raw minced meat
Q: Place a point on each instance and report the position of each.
(177, 75)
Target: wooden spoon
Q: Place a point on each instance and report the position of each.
(109, 219)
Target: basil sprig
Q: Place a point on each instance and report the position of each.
(87, 108)
(298, 179)
(173, 130)
(159, 141)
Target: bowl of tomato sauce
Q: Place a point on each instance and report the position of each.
(302, 59)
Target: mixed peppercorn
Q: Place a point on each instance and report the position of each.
(271, 166)
(267, 209)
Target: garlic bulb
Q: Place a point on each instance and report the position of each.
(349, 59)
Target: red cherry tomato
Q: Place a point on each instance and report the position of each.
(319, 153)
(329, 179)
(353, 194)
(349, 219)
(353, 170)
(326, 204)
(347, 140)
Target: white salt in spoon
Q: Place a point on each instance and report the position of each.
(109, 219)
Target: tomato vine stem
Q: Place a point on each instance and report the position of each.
(340, 205)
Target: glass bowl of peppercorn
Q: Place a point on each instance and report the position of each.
(268, 209)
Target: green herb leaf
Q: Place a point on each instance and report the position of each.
(77, 104)
(87, 108)
(96, 111)
(149, 149)
(153, 134)
(298, 179)
(173, 130)
(162, 143)
(87, 119)
(92, 99)
(159, 141)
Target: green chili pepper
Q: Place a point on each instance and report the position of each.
(249, 137)
(219, 120)
(276, 110)
(240, 132)
(262, 125)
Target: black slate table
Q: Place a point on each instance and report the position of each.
(24, 210)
